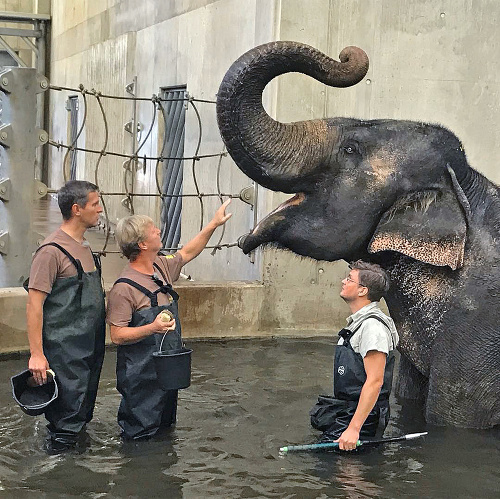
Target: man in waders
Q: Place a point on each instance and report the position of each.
(363, 365)
(66, 315)
(135, 306)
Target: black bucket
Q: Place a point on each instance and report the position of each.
(173, 368)
(33, 400)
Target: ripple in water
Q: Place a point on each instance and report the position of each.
(247, 399)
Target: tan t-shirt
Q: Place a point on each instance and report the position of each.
(124, 300)
(50, 263)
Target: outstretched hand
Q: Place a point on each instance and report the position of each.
(220, 217)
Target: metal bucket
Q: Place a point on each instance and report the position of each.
(173, 368)
(33, 399)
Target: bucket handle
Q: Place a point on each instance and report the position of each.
(33, 384)
(162, 340)
(183, 345)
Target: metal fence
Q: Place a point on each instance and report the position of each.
(170, 165)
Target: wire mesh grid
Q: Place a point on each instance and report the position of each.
(139, 159)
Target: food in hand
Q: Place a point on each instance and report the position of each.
(166, 316)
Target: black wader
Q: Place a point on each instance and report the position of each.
(145, 407)
(73, 343)
(332, 415)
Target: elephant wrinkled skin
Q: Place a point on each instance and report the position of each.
(398, 193)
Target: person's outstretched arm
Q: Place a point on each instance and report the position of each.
(194, 247)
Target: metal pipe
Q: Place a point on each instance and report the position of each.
(21, 17)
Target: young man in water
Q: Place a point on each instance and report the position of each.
(136, 305)
(65, 315)
(364, 361)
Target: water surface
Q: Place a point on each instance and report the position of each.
(247, 399)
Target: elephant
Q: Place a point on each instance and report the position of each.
(397, 193)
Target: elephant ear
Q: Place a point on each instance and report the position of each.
(429, 226)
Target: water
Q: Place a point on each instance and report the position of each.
(247, 399)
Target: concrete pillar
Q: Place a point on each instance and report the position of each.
(19, 138)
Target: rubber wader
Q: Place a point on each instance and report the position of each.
(145, 407)
(332, 415)
(73, 342)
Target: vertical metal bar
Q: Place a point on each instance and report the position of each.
(255, 215)
(129, 176)
(73, 128)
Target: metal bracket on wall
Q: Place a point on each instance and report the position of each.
(126, 203)
(43, 136)
(247, 195)
(6, 81)
(36, 239)
(130, 88)
(43, 83)
(39, 190)
(6, 135)
(4, 242)
(127, 164)
(5, 189)
(129, 125)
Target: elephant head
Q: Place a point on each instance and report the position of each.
(397, 192)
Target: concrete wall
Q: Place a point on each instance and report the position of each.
(229, 310)
(103, 46)
(430, 60)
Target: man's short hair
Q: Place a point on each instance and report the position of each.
(374, 277)
(130, 231)
(74, 192)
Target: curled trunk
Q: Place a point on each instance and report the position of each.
(279, 155)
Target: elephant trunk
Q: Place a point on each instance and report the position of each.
(277, 155)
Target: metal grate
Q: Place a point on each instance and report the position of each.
(173, 171)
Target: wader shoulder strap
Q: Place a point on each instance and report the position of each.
(97, 262)
(142, 289)
(158, 268)
(380, 320)
(152, 295)
(73, 260)
(165, 287)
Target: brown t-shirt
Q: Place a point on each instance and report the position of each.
(123, 299)
(50, 263)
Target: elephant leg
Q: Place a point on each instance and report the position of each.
(463, 384)
(410, 383)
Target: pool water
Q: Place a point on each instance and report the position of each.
(247, 399)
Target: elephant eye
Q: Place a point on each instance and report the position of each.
(350, 149)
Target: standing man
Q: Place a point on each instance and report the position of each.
(136, 306)
(66, 315)
(364, 362)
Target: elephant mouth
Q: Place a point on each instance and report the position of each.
(263, 231)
